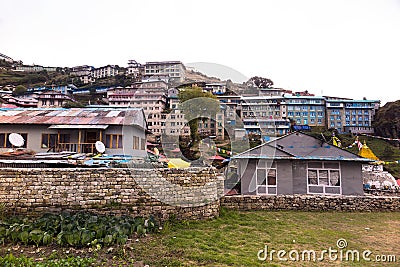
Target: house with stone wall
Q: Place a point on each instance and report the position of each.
(298, 163)
(122, 130)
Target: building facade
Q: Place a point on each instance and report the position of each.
(351, 116)
(84, 73)
(265, 115)
(175, 70)
(104, 72)
(299, 164)
(306, 110)
(52, 99)
(122, 130)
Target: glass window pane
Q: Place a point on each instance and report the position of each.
(323, 177)
(53, 140)
(8, 144)
(271, 177)
(261, 177)
(108, 141)
(334, 178)
(114, 141)
(331, 165)
(312, 177)
(315, 164)
(119, 141)
(262, 190)
(2, 140)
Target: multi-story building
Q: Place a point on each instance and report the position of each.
(84, 73)
(153, 85)
(215, 88)
(265, 115)
(121, 96)
(134, 69)
(232, 107)
(173, 122)
(306, 110)
(175, 70)
(153, 103)
(52, 99)
(35, 68)
(21, 101)
(352, 116)
(104, 72)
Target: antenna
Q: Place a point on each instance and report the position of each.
(100, 147)
(16, 139)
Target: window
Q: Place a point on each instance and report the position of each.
(323, 178)
(266, 178)
(143, 144)
(49, 140)
(135, 142)
(5, 143)
(114, 141)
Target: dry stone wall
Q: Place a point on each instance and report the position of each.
(312, 203)
(194, 193)
(184, 193)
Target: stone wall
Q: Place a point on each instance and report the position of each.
(312, 203)
(190, 193)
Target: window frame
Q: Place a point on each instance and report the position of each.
(110, 141)
(323, 169)
(272, 166)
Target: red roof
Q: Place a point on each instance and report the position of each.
(216, 157)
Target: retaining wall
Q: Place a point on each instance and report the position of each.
(312, 203)
(191, 193)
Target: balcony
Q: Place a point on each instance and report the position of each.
(76, 147)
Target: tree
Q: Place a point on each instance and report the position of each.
(259, 82)
(72, 104)
(197, 104)
(19, 90)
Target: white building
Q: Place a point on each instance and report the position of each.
(134, 68)
(175, 70)
(104, 72)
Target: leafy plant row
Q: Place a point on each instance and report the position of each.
(77, 230)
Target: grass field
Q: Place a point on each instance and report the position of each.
(235, 238)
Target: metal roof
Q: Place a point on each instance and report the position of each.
(299, 146)
(73, 116)
(78, 126)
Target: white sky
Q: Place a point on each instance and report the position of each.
(348, 48)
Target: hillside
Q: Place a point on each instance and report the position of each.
(10, 77)
(387, 120)
(195, 76)
(384, 150)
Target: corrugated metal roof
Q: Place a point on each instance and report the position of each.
(73, 116)
(79, 126)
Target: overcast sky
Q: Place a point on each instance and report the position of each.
(348, 48)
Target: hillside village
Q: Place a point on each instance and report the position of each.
(253, 110)
(102, 165)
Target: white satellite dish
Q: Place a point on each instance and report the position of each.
(16, 139)
(100, 147)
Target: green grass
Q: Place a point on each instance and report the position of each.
(235, 237)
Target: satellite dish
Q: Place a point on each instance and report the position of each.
(16, 139)
(100, 147)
